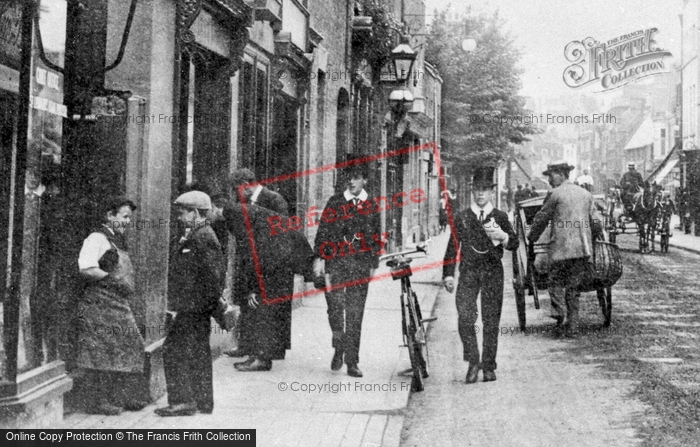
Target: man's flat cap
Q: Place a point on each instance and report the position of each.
(194, 199)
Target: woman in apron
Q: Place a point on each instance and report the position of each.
(110, 345)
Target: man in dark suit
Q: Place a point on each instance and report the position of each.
(257, 194)
(349, 240)
(253, 194)
(630, 183)
(266, 326)
(196, 280)
(480, 234)
(574, 224)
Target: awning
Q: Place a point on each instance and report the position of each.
(661, 175)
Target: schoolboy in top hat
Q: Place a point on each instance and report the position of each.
(359, 242)
(482, 232)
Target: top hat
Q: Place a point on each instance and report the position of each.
(558, 166)
(483, 176)
(357, 167)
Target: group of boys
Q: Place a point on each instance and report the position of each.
(479, 237)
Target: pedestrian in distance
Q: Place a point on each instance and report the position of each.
(109, 356)
(195, 283)
(349, 248)
(480, 235)
(574, 224)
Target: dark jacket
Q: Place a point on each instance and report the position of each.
(334, 235)
(272, 201)
(476, 247)
(196, 274)
(262, 253)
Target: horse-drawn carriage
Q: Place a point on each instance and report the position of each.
(531, 265)
(641, 212)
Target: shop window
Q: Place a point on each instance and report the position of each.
(253, 113)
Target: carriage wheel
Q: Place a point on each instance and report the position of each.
(519, 289)
(605, 301)
(520, 304)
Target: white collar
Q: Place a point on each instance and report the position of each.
(362, 196)
(109, 229)
(487, 209)
(256, 194)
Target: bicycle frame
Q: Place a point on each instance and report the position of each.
(411, 319)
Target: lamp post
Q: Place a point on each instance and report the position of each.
(400, 102)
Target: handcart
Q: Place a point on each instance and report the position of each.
(531, 265)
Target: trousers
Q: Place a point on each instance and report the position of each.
(486, 279)
(564, 279)
(346, 307)
(187, 362)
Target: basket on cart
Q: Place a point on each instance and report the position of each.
(531, 265)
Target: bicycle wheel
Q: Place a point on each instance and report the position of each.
(415, 342)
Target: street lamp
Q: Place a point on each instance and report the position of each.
(403, 58)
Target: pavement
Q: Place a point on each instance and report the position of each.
(681, 240)
(301, 402)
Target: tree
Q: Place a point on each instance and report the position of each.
(481, 109)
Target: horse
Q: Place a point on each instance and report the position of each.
(645, 212)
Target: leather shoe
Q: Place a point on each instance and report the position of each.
(489, 376)
(235, 353)
(135, 405)
(354, 371)
(177, 410)
(250, 360)
(337, 361)
(256, 365)
(472, 374)
(206, 409)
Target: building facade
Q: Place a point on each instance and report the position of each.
(148, 99)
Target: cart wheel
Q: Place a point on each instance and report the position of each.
(605, 301)
(520, 304)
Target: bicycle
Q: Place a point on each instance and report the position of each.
(412, 321)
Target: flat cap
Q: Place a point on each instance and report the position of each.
(194, 199)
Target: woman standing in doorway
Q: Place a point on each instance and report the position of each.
(109, 343)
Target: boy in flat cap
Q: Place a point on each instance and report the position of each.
(480, 234)
(195, 283)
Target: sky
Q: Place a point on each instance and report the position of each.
(542, 28)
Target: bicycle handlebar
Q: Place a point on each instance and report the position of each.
(420, 248)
